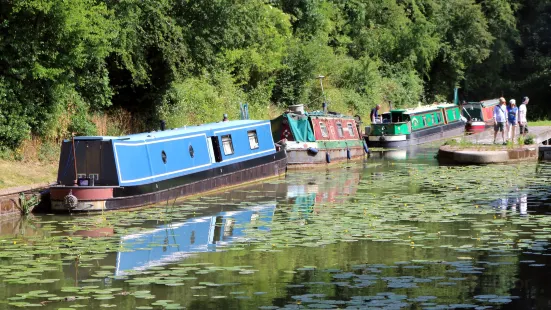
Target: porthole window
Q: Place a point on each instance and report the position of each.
(323, 129)
(253, 139)
(191, 151)
(163, 156)
(227, 145)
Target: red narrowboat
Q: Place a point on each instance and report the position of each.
(479, 115)
(317, 137)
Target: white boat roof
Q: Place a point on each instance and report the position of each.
(427, 108)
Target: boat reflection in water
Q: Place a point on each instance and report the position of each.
(173, 242)
(410, 153)
(220, 225)
(311, 195)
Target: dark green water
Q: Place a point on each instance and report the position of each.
(396, 231)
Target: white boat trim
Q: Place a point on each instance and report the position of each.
(477, 123)
(388, 138)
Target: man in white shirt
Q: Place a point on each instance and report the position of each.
(500, 119)
(522, 117)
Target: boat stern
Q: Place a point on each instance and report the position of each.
(475, 126)
(80, 198)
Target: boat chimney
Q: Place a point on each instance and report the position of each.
(297, 108)
(163, 125)
(456, 95)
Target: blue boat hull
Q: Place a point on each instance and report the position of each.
(168, 190)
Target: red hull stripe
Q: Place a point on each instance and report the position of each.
(88, 194)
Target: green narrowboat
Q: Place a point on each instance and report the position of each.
(424, 124)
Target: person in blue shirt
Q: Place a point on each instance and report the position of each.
(512, 117)
(500, 119)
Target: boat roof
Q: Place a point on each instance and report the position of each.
(323, 114)
(175, 131)
(486, 103)
(425, 108)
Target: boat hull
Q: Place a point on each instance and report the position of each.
(476, 127)
(418, 137)
(299, 155)
(94, 198)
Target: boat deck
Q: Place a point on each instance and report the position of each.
(541, 133)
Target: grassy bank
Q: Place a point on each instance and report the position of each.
(539, 123)
(17, 173)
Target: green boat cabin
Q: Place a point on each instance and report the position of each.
(406, 121)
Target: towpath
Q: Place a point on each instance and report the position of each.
(541, 133)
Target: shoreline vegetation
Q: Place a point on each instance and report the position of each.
(114, 67)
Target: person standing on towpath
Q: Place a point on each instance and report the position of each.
(523, 123)
(512, 119)
(500, 119)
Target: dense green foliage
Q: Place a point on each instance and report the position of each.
(190, 61)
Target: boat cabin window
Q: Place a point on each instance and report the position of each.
(386, 118)
(438, 117)
(350, 129)
(227, 145)
(81, 176)
(324, 132)
(340, 132)
(253, 139)
(424, 121)
(93, 176)
(163, 157)
(191, 151)
(397, 117)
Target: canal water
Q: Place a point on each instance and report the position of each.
(394, 231)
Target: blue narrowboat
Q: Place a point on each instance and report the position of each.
(108, 173)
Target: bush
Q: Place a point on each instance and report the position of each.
(530, 139)
(196, 101)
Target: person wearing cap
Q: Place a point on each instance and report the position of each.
(500, 119)
(512, 118)
(523, 123)
(225, 119)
